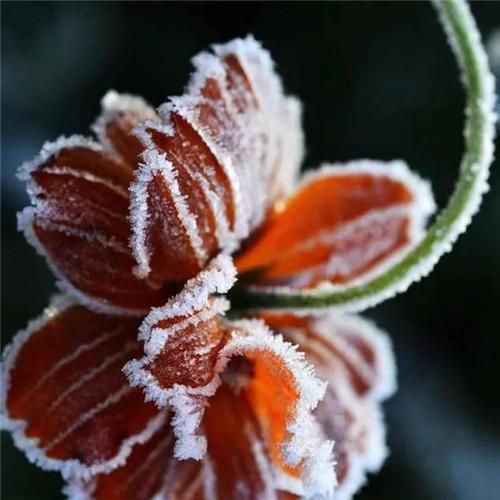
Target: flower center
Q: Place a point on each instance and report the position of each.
(238, 373)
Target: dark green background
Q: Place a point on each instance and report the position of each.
(377, 80)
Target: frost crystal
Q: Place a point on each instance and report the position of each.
(46, 429)
(356, 360)
(361, 247)
(227, 149)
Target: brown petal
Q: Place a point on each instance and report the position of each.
(120, 114)
(66, 401)
(79, 222)
(225, 151)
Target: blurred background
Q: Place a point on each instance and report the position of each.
(377, 80)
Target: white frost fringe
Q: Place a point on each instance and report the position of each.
(419, 209)
(154, 163)
(218, 277)
(68, 468)
(112, 104)
(195, 304)
(259, 150)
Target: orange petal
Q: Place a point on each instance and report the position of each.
(356, 360)
(233, 469)
(79, 222)
(237, 454)
(66, 400)
(282, 390)
(120, 114)
(344, 223)
(261, 441)
(182, 341)
(224, 152)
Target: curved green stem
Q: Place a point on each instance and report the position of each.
(479, 134)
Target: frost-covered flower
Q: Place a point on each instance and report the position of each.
(134, 383)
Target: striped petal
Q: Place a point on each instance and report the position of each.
(356, 360)
(182, 341)
(150, 467)
(65, 399)
(235, 467)
(223, 153)
(79, 214)
(120, 114)
(343, 224)
(195, 359)
(261, 441)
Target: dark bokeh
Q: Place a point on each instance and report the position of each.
(378, 81)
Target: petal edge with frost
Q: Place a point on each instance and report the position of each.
(343, 225)
(223, 153)
(79, 214)
(356, 360)
(150, 467)
(64, 397)
(120, 114)
(190, 351)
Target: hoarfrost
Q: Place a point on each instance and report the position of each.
(418, 211)
(113, 104)
(71, 468)
(333, 346)
(235, 105)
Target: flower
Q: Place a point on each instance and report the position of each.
(134, 383)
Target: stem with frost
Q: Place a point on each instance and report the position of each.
(479, 133)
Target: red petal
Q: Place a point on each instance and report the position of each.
(254, 432)
(356, 360)
(140, 478)
(182, 344)
(67, 402)
(165, 234)
(120, 114)
(221, 156)
(236, 451)
(342, 224)
(79, 221)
